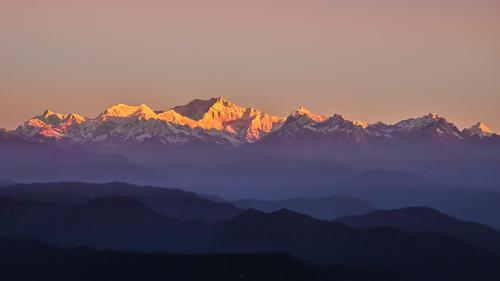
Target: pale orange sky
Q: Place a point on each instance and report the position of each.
(369, 60)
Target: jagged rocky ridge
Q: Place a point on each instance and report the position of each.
(220, 121)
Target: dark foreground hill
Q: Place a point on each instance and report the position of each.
(126, 224)
(420, 219)
(424, 256)
(50, 263)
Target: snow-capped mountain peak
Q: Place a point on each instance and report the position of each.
(73, 117)
(218, 120)
(432, 116)
(362, 124)
(304, 112)
(214, 120)
(221, 114)
(122, 110)
(197, 108)
(49, 113)
(47, 125)
(427, 125)
(412, 123)
(480, 129)
(48, 117)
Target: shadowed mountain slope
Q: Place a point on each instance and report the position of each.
(173, 203)
(126, 224)
(420, 219)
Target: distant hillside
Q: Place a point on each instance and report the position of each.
(24, 160)
(172, 203)
(419, 219)
(4, 182)
(323, 208)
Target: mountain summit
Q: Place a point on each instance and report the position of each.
(216, 120)
(224, 115)
(479, 129)
(121, 110)
(304, 112)
(220, 121)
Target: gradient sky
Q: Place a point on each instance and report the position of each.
(370, 60)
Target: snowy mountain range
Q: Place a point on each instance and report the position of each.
(220, 121)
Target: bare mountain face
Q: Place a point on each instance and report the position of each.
(222, 122)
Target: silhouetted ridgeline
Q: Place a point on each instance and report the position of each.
(4, 182)
(125, 223)
(421, 219)
(28, 260)
(173, 203)
(323, 208)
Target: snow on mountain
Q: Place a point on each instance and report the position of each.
(197, 108)
(361, 123)
(301, 119)
(52, 125)
(304, 126)
(135, 123)
(216, 120)
(223, 115)
(220, 121)
(122, 111)
(430, 125)
(303, 113)
(479, 129)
